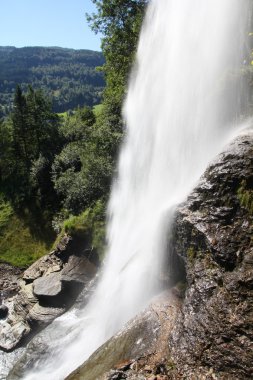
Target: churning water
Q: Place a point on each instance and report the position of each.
(184, 98)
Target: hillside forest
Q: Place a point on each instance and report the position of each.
(69, 78)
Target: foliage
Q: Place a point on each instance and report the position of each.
(91, 225)
(5, 213)
(54, 166)
(119, 21)
(67, 76)
(82, 171)
(30, 139)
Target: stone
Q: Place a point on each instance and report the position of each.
(44, 315)
(9, 281)
(41, 267)
(48, 286)
(11, 335)
(78, 269)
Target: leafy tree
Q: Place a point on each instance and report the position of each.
(119, 21)
(82, 171)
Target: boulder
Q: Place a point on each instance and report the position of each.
(48, 286)
(44, 315)
(78, 269)
(10, 335)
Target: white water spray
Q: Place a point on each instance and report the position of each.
(176, 110)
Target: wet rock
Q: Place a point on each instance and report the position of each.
(144, 336)
(6, 361)
(117, 375)
(213, 234)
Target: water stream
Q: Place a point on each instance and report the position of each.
(179, 112)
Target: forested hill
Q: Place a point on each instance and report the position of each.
(68, 76)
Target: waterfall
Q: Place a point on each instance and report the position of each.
(179, 112)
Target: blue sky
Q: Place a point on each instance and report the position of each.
(47, 23)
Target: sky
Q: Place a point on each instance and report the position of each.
(47, 23)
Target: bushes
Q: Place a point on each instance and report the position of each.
(89, 225)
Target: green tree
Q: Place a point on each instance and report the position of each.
(31, 138)
(82, 171)
(119, 21)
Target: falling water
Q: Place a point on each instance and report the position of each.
(178, 114)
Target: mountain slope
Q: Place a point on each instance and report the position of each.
(68, 76)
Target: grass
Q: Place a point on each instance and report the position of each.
(18, 245)
(98, 109)
(23, 240)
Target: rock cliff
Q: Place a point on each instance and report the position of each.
(213, 233)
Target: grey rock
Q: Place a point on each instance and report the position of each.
(45, 265)
(78, 269)
(41, 314)
(48, 286)
(10, 335)
(213, 234)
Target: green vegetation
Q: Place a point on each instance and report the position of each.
(68, 77)
(56, 168)
(90, 224)
(120, 23)
(6, 212)
(245, 196)
(98, 109)
(19, 244)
